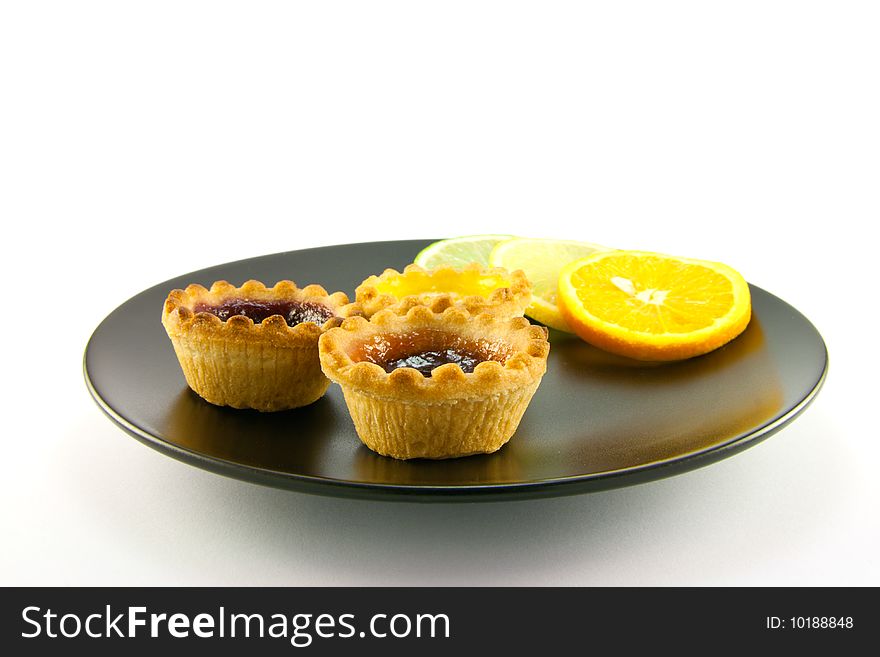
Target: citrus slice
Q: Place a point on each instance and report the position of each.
(651, 306)
(542, 260)
(459, 251)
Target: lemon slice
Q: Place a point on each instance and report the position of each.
(458, 252)
(652, 306)
(542, 260)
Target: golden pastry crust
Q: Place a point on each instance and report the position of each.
(268, 366)
(405, 414)
(506, 294)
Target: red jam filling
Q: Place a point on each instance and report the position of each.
(426, 361)
(425, 350)
(293, 312)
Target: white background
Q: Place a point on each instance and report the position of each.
(139, 141)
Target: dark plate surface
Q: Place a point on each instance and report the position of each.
(597, 421)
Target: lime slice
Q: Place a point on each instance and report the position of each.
(459, 251)
(542, 260)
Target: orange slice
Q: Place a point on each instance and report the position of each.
(651, 306)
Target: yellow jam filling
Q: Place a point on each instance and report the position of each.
(460, 283)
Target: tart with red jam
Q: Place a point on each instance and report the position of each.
(253, 346)
(435, 385)
(472, 288)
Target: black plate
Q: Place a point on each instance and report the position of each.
(596, 422)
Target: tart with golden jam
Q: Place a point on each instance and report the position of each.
(472, 288)
(253, 346)
(435, 385)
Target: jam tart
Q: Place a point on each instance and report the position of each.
(253, 346)
(435, 385)
(472, 288)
